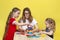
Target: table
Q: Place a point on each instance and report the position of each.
(23, 37)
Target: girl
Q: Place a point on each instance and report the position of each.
(27, 18)
(50, 27)
(11, 24)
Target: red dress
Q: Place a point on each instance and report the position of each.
(11, 30)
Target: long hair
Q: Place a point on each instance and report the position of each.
(15, 9)
(30, 16)
(52, 22)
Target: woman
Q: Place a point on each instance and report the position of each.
(28, 18)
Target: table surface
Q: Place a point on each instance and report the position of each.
(23, 37)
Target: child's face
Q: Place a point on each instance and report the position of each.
(16, 14)
(47, 24)
(27, 14)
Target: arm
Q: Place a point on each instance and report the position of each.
(49, 33)
(36, 28)
(19, 24)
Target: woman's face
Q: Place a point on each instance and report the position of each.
(16, 14)
(47, 24)
(26, 14)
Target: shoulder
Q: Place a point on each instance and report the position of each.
(12, 18)
(34, 20)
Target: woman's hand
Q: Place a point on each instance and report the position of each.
(29, 25)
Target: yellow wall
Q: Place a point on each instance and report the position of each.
(41, 9)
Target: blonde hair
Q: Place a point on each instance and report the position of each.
(52, 23)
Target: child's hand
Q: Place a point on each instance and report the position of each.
(26, 23)
(41, 32)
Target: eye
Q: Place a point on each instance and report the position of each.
(26, 13)
(18, 13)
(51, 22)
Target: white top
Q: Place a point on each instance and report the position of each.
(32, 23)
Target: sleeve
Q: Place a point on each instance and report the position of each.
(34, 22)
(12, 21)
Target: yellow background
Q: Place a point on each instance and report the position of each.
(41, 9)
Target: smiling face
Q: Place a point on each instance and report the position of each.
(50, 24)
(16, 14)
(26, 14)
